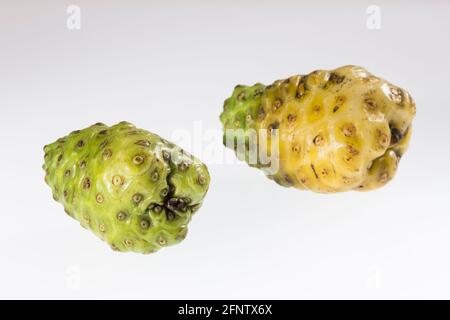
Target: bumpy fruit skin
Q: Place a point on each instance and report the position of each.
(131, 188)
(339, 130)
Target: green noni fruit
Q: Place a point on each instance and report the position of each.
(133, 189)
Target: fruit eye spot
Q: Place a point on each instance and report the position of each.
(164, 192)
(107, 154)
(87, 219)
(155, 176)
(370, 104)
(383, 139)
(291, 117)
(121, 216)
(183, 166)
(201, 179)
(166, 155)
(349, 130)
(137, 198)
(316, 109)
(143, 143)
(277, 104)
(318, 140)
(162, 241)
(383, 177)
(138, 160)
(102, 227)
(241, 96)
(86, 183)
(128, 242)
(144, 224)
(99, 198)
(80, 144)
(67, 173)
(117, 180)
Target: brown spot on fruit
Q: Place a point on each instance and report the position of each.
(80, 144)
(382, 138)
(86, 183)
(352, 150)
(291, 117)
(86, 219)
(277, 104)
(162, 241)
(296, 149)
(138, 159)
(128, 242)
(336, 108)
(383, 177)
(348, 130)
(318, 140)
(99, 198)
(261, 113)
(117, 180)
(144, 224)
(137, 198)
(370, 104)
(335, 78)
(121, 216)
(317, 109)
(164, 192)
(201, 179)
(107, 154)
(241, 96)
(340, 100)
(183, 166)
(166, 155)
(143, 143)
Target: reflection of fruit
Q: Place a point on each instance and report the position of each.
(339, 130)
(133, 189)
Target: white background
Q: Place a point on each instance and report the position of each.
(167, 65)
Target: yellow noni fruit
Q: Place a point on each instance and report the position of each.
(337, 130)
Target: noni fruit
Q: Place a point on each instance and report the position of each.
(133, 189)
(337, 130)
